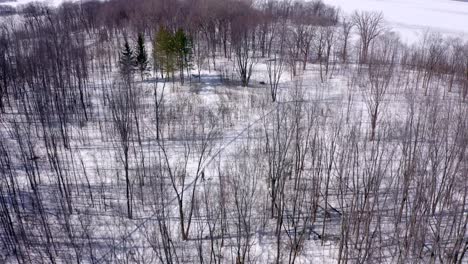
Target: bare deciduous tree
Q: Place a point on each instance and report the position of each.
(275, 70)
(369, 26)
(381, 65)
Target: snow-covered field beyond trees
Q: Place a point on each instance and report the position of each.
(411, 18)
(23, 2)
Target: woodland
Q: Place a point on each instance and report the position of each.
(229, 131)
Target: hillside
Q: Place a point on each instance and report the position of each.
(221, 131)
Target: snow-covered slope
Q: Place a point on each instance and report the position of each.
(413, 17)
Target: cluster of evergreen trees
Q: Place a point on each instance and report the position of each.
(172, 51)
(131, 61)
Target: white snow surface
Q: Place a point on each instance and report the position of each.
(47, 2)
(23, 2)
(412, 18)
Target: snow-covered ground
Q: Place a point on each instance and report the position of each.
(22, 2)
(411, 18)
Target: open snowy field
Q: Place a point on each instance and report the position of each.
(22, 2)
(411, 18)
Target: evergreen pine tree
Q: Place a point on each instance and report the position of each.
(164, 51)
(141, 56)
(172, 51)
(127, 62)
(183, 49)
